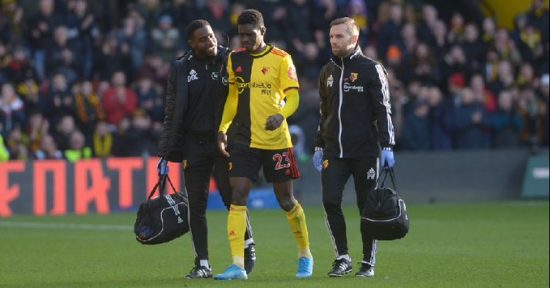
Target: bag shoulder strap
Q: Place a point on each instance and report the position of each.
(387, 171)
(161, 184)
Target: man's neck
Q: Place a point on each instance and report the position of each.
(203, 57)
(260, 48)
(349, 52)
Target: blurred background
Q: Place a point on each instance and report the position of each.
(81, 79)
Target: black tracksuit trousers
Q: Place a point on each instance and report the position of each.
(202, 160)
(334, 176)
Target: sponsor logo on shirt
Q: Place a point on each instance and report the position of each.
(241, 85)
(348, 87)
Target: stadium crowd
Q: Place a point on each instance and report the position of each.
(83, 79)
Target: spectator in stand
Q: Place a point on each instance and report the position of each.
(135, 38)
(30, 94)
(506, 123)
(82, 28)
(416, 131)
(391, 30)
(112, 57)
(12, 109)
(63, 130)
(489, 31)
(37, 128)
(48, 149)
(19, 67)
(60, 57)
(142, 137)
(528, 107)
(473, 47)
(40, 33)
(483, 95)
(427, 26)
(456, 29)
(423, 66)
(102, 143)
(470, 123)
(77, 148)
(17, 143)
(149, 99)
(440, 46)
(165, 38)
(217, 14)
(506, 47)
(119, 101)
(59, 100)
(88, 108)
(440, 120)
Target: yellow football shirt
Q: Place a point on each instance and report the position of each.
(260, 81)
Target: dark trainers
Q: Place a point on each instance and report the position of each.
(340, 267)
(199, 272)
(249, 258)
(365, 271)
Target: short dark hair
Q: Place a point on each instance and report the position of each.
(349, 22)
(251, 16)
(194, 25)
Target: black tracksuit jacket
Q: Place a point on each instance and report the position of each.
(355, 108)
(194, 86)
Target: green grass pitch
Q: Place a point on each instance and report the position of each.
(449, 245)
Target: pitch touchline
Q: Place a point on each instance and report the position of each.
(65, 226)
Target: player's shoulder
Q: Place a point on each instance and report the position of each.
(279, 52)
(369, 62)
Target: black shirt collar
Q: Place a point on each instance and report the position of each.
(356, 52)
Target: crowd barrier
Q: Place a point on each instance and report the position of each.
(57, 187)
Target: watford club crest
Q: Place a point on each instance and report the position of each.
(353, 77)
(325, 164)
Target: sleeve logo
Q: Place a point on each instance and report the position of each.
(292, 73)
(330, 81)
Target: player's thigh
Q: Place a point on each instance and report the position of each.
(365, 174)
(335, 174)
(244, 162)
(279, 165)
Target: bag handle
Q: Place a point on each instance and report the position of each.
(161, 184)
(384, 176)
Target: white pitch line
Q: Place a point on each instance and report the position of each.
(65, 226)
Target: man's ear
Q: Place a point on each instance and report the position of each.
(190, 43)
(263, 30)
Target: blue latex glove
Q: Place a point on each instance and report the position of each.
(318, 159)
(162, 167)
(386, 158)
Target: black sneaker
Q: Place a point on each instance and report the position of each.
(340, 267)
(365, 271)
(199, 272)
(249, 258)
